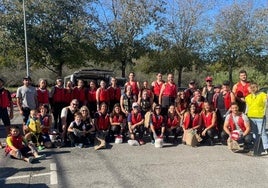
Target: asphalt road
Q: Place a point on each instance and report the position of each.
(122, 165)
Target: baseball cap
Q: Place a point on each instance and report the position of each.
(209, 78)
(135, 105)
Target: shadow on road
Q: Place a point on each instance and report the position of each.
(6, 172)
(22, 185)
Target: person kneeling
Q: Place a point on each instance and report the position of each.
(77, 131)
(157, 124)
(136, 124)
(18, 147)
(237, 129)
(102, 124)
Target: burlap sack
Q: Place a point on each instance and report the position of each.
(190, 137)
(234, 145)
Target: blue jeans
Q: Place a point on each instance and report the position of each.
(256, 125)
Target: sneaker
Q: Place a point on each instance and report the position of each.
(80, 145)
(40, 148)
(39, 157)
(141, 142)
(152, 142)
(30, 159)
(265, 152)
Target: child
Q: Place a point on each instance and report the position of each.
(18, 147)
(76, 131)
(46, 119)
(34, 128)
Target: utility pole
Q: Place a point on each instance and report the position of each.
(25, 39)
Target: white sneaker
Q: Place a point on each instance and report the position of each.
(265, 152)
(39, 157)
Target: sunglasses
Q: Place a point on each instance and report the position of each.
(74, 104)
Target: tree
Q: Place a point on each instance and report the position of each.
(59, 32)
(182, 37)
(235, 39)
(124, 24)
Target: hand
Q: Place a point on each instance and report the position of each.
(204, 132)
(11, 116)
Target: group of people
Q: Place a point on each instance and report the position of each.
(98, 114)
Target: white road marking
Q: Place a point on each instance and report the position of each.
(26, 176)
(53, 175)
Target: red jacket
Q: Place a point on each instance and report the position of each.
(42, 96)
(157, 121)
(5, 98)
(191, 123)
(173, 122)
(240, 123)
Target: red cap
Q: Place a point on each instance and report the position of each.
(209, 78)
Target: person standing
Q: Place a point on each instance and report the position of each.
(5, 104)
(79, 93)
(91, 98)
(42, 92)
(114, 93)
(168, 94)
(126, 101)
(208, 90)
(102, 95)
(256, 103)
(189, 92)
(156, 87)
(135, 86)
(26, 98)
(57, 102)
(223, 103)
(68, 92)
(241, 90)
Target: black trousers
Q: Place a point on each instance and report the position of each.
(57, 107)
(75, 139)
(140, 131)
(245, 139)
